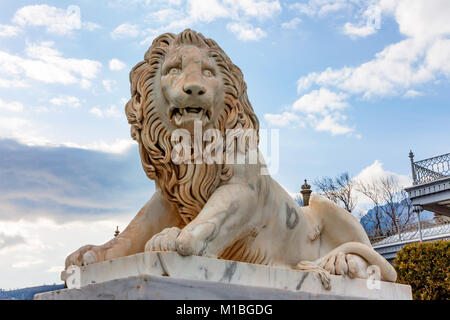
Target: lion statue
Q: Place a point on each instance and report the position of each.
(211, 208)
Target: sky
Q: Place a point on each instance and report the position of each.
(348, 85)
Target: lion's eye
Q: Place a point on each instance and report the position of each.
(174, 70)
(207, 73)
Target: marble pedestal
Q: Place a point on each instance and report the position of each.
(167, 275)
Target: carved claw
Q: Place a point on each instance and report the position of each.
(188, 245)
(163, 241)
(194, 240)
(346, 265)
(323, 274)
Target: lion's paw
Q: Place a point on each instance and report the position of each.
(86, 255)
(195, 240)
(90, 254)
(323, 274)
(163, 241)
(342, 264)
(188, 245)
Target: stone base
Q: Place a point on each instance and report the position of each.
(167, 275)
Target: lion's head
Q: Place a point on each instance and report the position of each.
(185, 78)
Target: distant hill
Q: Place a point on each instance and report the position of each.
(27, 293)
(368, 221)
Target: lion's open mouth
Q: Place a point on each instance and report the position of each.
(180, 115)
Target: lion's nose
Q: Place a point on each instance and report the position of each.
(194, 89)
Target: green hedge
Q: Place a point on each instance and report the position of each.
(425, 266)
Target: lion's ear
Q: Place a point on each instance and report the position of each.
(133, 110)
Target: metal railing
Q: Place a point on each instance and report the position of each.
(431, 169)
(411, 231)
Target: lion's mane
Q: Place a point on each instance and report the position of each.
(189, 186)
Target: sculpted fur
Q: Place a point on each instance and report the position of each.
(221, 209)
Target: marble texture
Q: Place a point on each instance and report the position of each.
(163, 288)
(168, 275)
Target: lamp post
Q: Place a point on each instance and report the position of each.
(411, 158)
(397, 222)
(418, 210)
(306, 193)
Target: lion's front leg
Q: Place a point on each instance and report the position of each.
(223, 219)
(156, 215)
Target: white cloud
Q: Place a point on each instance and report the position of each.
(13, 106)
(42, 257)
(171, 18)
(423, 56)
(111, 112)
(28, 133)
(421, 18)
(245, 31)
(57, 21)
(46, 64)
(164, 15)
(8, 31)
(373, 173)
(331, 123)
(56, 269)
(254, 8)
(11, 126)
(96, 111)
(358, 31)
(438, 57)
(118, 146)
(108, 84)
(394, 69)
(291, 24)
(206, 11)
(85, 83)
(26, 264)
(69, 101)
(126, 30)
(412, 94)
(90, 26)
(376, 171)
(320, 101)
(321, 108)
(284, 119)
(320, 7)
(116, 65)
(14, 83)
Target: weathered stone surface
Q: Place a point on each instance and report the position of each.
(167, 275)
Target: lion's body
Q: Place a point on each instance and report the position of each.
(223, 210)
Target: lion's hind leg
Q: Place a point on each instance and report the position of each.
(353, 259)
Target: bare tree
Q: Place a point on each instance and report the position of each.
(397, 204)
(340, 190)
(392, 207)
(371, 191)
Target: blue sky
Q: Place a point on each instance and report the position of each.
(350, 85)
